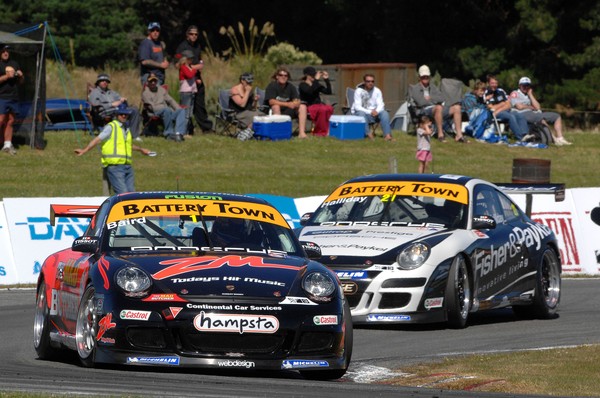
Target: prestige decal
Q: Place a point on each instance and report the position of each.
(180, 266)
(241, 323)
(401, 188)
(165, 207)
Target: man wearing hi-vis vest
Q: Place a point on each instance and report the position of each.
(117, 147)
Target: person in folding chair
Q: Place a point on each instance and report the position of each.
(310, 90)
(158, 102)
(429, 101)
(243, 101)
(283, 99)
(368, 103)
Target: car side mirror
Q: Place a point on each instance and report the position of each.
(312, 250)
(483, 222)
(305, 217)
(86, 244)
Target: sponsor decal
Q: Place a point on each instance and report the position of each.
(325, 320)
(426, 225)
(480, 234)
(349, 288)
(351, 274)
(123, 223)
(206, 197)
(231, 307)
(192, 207)
(153, 360)
(236, 364)
(163, 297)
(107, 340)
(357, 199)
(299, 364)
(388, 189)
(434, 302)
(388, 318)
(180, 266)
(297, 301)
(241, 323)
(41, 229)
(105, 324)
(103, 266)
(135, 315)
(68, 272)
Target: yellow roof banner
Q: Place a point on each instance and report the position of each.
(169, 207)
(455, 192)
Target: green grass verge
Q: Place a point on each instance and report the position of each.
(294, 168)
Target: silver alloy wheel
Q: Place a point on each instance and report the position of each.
(41, 312)
(463, 287)
(87, 325)
(550, 279)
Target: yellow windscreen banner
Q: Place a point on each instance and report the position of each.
(389, 189)
(169, 207)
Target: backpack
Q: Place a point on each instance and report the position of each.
(479, 124)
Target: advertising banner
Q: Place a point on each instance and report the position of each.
(8, 273)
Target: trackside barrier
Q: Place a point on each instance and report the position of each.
(27, 238)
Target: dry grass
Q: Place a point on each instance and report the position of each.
(556, 372)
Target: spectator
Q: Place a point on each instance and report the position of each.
(283, 99)
(243, 100)
(524, 103)
(10, 78)
(151, 55)
(107, 101)
(368, 103)
(116, 150)
(310, 94)
(192, 44)
(424, 133)
(497, 102)
(473, 103)
(187, 87)
(480, 118)
(157, 101)
(429, 101)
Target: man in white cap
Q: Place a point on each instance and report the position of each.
(524, 102)
(429, 101)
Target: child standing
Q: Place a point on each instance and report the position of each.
(424, 142)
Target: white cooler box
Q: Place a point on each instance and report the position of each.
(272, 127)
(347, 127)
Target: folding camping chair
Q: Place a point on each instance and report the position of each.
(226, 122)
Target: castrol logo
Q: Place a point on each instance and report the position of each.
(135, 315)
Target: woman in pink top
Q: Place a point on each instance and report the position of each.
(187, 85)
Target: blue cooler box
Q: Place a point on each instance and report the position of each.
(272, 127)
(347, 127)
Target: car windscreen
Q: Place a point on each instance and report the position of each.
(394, 204)
(163, 226)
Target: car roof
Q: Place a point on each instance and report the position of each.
(175, 195)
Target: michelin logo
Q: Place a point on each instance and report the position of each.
(299, 364)
(153, 360)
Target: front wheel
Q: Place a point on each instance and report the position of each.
(87, 328)
(458, 293)
(41, 332)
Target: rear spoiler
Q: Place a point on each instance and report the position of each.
(79, 211)
(558, 190)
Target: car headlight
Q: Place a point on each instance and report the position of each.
(413, 256)
(319, 286)
(133, 281)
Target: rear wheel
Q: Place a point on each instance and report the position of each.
(458, 293)
(87, 328)
(41, 332)
(547, 289)
(348, 343)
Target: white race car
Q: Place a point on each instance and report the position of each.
(416, 248)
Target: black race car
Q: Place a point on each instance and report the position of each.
(192, 279)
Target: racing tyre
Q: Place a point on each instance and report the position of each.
(547, 289)
(458, 294)
(87, 328)
(348, 343)
(41, 332)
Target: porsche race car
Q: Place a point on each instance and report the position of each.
(205, 280)
(435, 248)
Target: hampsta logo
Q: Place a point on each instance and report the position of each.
(242, 323)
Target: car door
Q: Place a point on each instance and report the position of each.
(498, 251)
